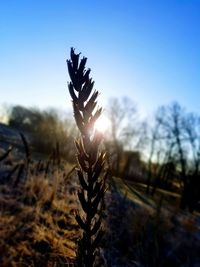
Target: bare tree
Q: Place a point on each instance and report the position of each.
(122, 114)
(124, 129)
(179, 135)
(192, 132)
(152, 141)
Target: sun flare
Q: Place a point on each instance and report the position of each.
(102, 124)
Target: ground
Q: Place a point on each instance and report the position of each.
(38, 228)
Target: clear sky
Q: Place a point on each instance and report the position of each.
(146, 50)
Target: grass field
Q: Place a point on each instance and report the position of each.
(38, 228)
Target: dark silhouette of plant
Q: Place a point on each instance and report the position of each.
(5, 155)
(91, 171)
(22, 169)
(19, 167)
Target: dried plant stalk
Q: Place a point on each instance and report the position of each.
(91, 161)
(5, 154)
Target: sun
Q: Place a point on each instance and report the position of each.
(102, 124)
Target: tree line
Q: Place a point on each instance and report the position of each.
(164, 153)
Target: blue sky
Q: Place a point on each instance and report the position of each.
(146, 50)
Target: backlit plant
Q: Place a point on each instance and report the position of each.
(91, 161)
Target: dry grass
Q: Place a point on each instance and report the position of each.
(38, 228)
(37, 225)
(140, 235)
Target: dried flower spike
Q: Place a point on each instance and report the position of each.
(91, 161)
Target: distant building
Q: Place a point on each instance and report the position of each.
(133, 167)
